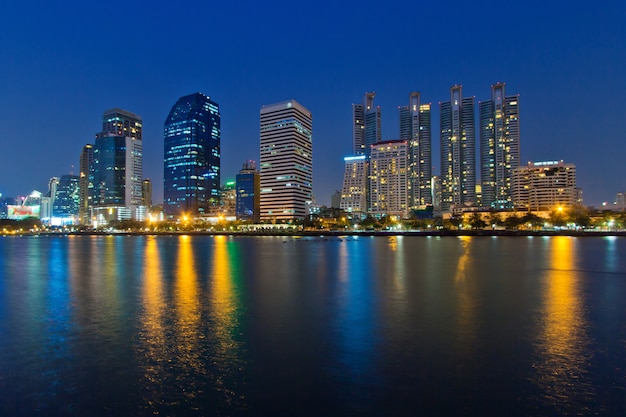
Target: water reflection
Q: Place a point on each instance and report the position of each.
(152, 351)
(611, 254)
(464, 259)
(466, 301)
(563, 343)
(355, 327)
(187, 311)
(399, 271)
(225, 309)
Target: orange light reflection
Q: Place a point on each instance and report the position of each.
(187, 309)
(563, 341)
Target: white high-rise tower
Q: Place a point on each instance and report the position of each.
(286, 161)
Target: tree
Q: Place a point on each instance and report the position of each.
(495, 219)
(530, 218)
(456, 221)
(579, 215)
(370, 221)
(557, 217)
(512, 222)
(476, 221)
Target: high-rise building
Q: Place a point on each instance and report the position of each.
(248, 183)
(436, 187)
(4, 203)
(335, 200)
(286, 146)
(545, 186)
(66, 201)
(367, 124)
(366, 131)
(415, 128)
(117, 165)
(146, 188)
(85, 184)
(354, 189)
(499, 147)
(192, 157)
(52, 188)
(458, 151)
(388, 179)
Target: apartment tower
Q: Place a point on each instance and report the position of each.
(415, 129)
(388, 179)
(458, 151)
(499, 147)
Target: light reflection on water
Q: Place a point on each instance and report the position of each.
(226, 308)
(188, 325)
(563, 345)
(151, 344)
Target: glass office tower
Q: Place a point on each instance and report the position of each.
(248, 183)
(117, 160)
(191, 183)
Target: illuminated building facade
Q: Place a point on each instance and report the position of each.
(499, 147)
(146, 187)
(388, 179)
(117, 163)
(367, 124)
(354, 189)
(228, 200)
(4, 203)
(192, 138)
(458, 151)
(66, 201)
(248, 184)
(286, 161)
(545, 186)
(415, 127)
(85, 184)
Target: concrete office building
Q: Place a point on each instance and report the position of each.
(286, 161)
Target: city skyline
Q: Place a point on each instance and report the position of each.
(566, 65)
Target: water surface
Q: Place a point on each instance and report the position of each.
(247, 326)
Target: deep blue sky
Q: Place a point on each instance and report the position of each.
(62, 63)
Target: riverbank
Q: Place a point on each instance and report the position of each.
(339, 233)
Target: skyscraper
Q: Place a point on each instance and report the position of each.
(415, 129)
(499, 147)
(286, 147)
(66, 199)
(367, 121)
(354, 189)
(458, 151)
(85, 184)
(146, 191)
(388, 179)
(191, 182)
(117, 161)
(248, 183)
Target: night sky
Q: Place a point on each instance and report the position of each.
(63, 63)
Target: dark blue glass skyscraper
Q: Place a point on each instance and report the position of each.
(192, 156)
(248, 183)
(67, 198)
